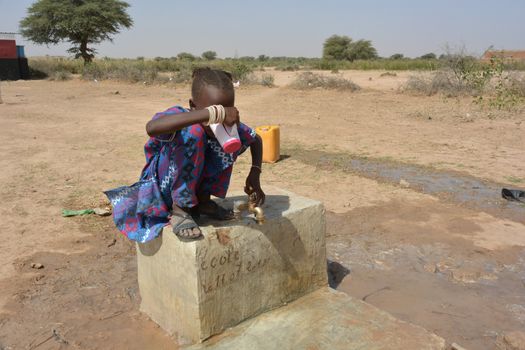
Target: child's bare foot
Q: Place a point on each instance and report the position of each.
(183, 225)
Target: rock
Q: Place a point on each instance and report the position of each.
(455, 346)
(336, 273)
(432, 268)
(37, 266)
(514, 340)
(239, 269)
(102, 211)
(404, 183)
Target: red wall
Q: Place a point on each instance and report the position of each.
(7, 49)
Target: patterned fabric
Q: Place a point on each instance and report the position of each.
(177, 167)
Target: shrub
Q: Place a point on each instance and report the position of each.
(517, 83)
(48, 66)
(309, 80)
(267, 80)
(488, 83)
(397, 56)
(240, 71)
(263, 80)
(288, 67)
(131, 71)
(183, 75)
(331, 65)
(388, 74)
(444, 82)
(60, 76)
(507, 88)
(37, 74)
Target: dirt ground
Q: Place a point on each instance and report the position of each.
(454, 268)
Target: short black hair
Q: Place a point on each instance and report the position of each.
(210, 77)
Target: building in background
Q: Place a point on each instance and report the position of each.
(13, 63)
(506, 55)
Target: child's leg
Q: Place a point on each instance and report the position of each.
(214, 182)
(187, 165)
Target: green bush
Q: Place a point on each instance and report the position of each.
(288, 67)
(239, 70)
(490, 84)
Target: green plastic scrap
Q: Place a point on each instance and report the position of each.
(67, 213)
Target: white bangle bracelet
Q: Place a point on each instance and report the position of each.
(217, 114)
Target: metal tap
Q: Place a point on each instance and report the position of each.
(251, 207)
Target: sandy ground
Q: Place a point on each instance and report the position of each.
(454, 270)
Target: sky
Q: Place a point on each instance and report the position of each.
(298, 28)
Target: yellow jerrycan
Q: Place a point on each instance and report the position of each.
(270, 136)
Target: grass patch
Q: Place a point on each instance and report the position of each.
(515, 180)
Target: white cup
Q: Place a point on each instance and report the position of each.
(228, 137)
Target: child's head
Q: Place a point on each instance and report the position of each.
(211, 87)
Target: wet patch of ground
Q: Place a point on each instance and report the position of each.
(447, 185)
(405, 259)
(452, 262)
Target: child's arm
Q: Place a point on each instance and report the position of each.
(253, 181)
(175, 122)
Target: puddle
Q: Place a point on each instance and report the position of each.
(453, 186)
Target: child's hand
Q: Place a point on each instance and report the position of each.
(253, 185)
(232, 116)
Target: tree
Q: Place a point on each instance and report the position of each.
(397, 56)
(361, 50)
(335, 47)
(339, 47)
(79, 22)
(186, 56)
(429, 56)
(209, 55)
(247, 58)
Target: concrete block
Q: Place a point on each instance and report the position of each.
(325, 320)
(240, 269)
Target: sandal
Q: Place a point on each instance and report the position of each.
(216, 211)
(513, 195)
(184, 223)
